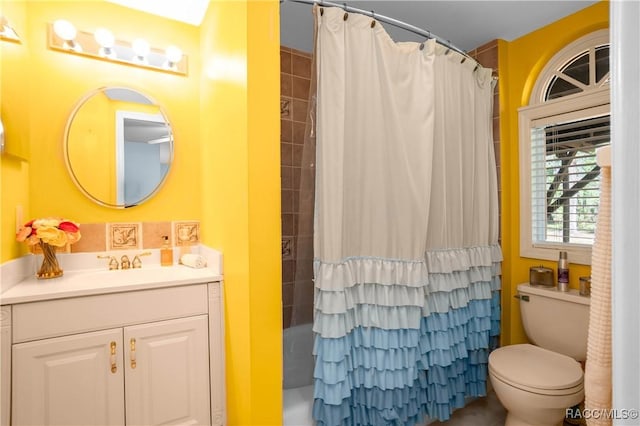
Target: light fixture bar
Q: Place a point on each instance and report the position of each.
(105, 47)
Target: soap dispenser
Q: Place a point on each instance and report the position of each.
(166, 253)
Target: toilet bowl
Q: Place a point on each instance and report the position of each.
(537, 382)
(535, 385)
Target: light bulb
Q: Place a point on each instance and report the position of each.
(174, 54)
(104, 37)
(67, 32)
(8, 32)
(64, 29)
(141, 47)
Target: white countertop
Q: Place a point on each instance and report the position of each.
(22, 287)
(91, 282)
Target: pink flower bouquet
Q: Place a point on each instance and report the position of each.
(53, 231)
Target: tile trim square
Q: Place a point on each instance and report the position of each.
(186, 233)
(124, 236)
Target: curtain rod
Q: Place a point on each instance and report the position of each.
(388, 20)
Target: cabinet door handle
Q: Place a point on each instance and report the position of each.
(114, 367)
(132, 345)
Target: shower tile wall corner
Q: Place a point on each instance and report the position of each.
(295, 73)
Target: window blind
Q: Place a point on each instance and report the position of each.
(565, 179)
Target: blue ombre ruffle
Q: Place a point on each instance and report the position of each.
(433, 393)
(408, 346)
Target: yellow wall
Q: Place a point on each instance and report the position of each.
(521, 61)
(226, 161)
(263, 68)
(14, 171)
(241, 196)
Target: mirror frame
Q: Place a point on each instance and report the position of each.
(1, 137)
(77, 107)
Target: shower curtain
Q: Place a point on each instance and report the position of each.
(407, 261)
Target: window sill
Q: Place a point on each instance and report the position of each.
(577, 254)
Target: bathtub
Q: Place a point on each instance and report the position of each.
(298, 376)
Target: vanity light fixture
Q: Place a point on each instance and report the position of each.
(102, 44)
(7, 32)
(67, 32)
(106, 40)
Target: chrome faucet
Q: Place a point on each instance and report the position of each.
(113, 262)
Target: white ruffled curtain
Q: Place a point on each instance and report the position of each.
(407, 260)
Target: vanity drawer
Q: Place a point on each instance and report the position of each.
(38, 320)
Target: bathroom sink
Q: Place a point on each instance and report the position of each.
(129, 276)
(84, 282)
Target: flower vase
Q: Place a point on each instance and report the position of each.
(50, 267)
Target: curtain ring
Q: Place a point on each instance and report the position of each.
(463, 59)
(421, 46)
(476, 68)
(321, 11)
(373, 23)
(373, 15)
(345, 17)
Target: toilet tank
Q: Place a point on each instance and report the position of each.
(555, 320)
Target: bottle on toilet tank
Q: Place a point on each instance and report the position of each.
(563, 272)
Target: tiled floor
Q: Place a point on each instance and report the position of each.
(485, 411)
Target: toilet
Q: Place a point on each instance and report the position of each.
(537, 382)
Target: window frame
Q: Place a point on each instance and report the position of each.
(594, 99)
(573, 107)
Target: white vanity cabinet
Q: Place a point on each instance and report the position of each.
(69, 380)
(147, 357)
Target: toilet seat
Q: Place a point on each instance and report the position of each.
(537, 370)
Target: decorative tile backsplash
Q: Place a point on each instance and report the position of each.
(124, 236)
(186, 233)
(99, 237)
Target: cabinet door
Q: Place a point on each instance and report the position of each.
(167, 372)
(71, 380)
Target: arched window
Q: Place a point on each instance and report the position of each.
(566, 120)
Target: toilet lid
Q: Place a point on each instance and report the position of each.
(535, 367)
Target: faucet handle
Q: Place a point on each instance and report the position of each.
(113, 263)
(137, 263)
(125, 263)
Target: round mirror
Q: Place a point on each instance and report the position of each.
(118, 146)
